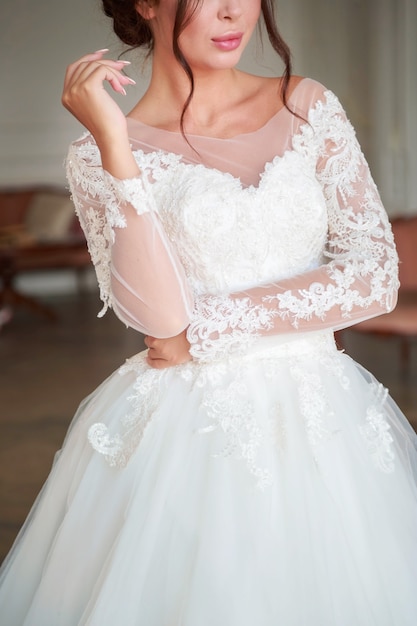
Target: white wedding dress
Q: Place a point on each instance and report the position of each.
(270, 481)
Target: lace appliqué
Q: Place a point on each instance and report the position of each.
(245, 428)
(376, 432)
(314, 405)
(118, 448)
(98, 198)
(361, 237)
(99, 245)
(231, 410)
(221, 326)
(312, 402)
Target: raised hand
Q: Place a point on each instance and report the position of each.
(86, 98)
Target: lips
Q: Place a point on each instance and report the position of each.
(229, 41)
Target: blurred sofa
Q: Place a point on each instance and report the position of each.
(39, 231)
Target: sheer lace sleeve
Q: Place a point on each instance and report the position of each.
(359, 279)
(138, 272)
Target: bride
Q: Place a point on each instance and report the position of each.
(242, 470)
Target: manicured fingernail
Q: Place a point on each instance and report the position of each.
(125, 62)
(131, 81)
(123, 91)
(102, 50)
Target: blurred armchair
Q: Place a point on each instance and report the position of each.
(38, 232)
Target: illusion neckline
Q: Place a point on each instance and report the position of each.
(157, 129)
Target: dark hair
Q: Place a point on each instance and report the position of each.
(134, 31)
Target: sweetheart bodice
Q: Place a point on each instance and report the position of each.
(230, 237)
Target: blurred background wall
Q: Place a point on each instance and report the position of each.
(364, 50)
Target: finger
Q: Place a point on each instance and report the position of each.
(150, 342)
(154, 355)
(158, 364)
(87, 85)
(91, 56)
(87, 66)
(95, 73)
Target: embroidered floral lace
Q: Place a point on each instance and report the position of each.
(270, 232)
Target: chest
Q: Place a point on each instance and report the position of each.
(231, 237)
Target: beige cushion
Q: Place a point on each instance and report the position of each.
(49, 216)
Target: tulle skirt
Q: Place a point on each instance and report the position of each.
(272, 488)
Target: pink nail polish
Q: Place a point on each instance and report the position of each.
(101, 51)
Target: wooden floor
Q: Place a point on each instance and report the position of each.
(47, 368)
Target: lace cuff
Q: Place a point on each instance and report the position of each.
(333, 296)
(134, 192)
(221, 325)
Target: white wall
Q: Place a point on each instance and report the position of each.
(364, 50)
(394, 102)
(38, 38)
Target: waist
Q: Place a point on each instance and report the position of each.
(292, 345)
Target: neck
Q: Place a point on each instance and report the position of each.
(170, 87)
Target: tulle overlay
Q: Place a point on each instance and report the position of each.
(275, 488)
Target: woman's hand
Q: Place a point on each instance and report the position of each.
(86, 98)
(163, 353)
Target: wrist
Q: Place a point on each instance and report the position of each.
(117, 157)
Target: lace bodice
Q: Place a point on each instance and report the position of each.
(299, 240)
(248, 237)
